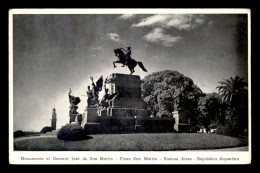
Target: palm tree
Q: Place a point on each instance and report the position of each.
(231, 90)
(233, 93)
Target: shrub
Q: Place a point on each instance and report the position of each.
(194, 129)
(228, 130)
(214, 125)
(46, 129)
(71, 132)
(19, 133)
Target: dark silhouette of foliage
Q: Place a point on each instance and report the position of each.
(210, 108)
(195, 128)
(166, 91)
(228, 129)
(18, 133)
(71, 132)
(227, 111)
(234, 94)
(232, 89)
(46, 129)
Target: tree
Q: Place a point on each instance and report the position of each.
(232, 90)
(234, 94)
(46, 129)
(211, 112)
(167, 90)
(18, 133)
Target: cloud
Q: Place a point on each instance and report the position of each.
(126, 16)
(155, 19)
(98, 48)
(179, 21)
(157, 36)
(114, 37)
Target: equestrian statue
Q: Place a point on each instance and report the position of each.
(124, 57)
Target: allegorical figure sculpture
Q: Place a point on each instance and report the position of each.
(104, 102)
(73, 103)
(124, 57)
(90, 96)
(93, 93)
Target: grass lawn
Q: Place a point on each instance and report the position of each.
(133, 142)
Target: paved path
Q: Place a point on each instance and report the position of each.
(234, 149)
(225, 149)
(32, 137)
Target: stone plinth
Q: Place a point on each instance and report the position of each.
(128, 102)
(126, 112)
(90, 115)
(182, 123)
(176, 117)
(127, 86)
(73, 117)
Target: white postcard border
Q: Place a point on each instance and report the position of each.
(16, 157)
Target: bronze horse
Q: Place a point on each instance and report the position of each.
(131, 63)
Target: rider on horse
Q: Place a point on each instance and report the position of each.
(128, 54)
(124, 57)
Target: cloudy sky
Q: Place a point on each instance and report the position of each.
(52, 53)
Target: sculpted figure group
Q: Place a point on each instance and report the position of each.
(93, 94)
(124, 57)
(73, 103)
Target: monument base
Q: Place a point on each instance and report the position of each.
(73, 117)
(182, 123)
(129, 103)
(90, 115)
(134, 124)
(92, 128)
(127, 112)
